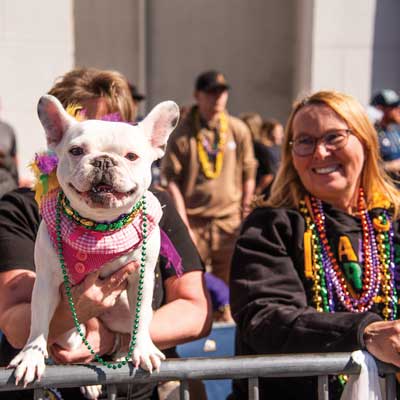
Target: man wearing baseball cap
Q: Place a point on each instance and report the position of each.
(209, 167)
(388, 102)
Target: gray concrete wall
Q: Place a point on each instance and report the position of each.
(343, 34)
(351, 46)
(304, 24)
(252, 42)
(270, 50)
(36, 45)
(386, 46)
(108, 35)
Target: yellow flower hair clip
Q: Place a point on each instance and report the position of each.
(77, 111)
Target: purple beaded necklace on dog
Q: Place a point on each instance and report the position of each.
(67, 285)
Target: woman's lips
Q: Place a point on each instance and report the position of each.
(326, 170)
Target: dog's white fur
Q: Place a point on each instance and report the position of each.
(76, 175)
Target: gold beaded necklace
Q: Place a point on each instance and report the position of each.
(204, 157)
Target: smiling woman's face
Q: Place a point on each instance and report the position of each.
(332, 176)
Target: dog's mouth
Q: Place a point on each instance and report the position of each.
(100, 192)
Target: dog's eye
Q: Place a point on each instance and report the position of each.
(76, 151)
(131, 156)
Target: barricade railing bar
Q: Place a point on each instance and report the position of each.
(243, 367)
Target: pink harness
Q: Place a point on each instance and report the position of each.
(86, 251)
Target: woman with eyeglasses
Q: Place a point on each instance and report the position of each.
(317, 267)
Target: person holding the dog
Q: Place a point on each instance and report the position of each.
(209, 167)
(315, 269)
(179, 283)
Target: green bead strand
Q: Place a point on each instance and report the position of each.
(67, 285)
(94, 226)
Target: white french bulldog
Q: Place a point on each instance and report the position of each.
(104, 169)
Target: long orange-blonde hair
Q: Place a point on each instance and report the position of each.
(287, 189)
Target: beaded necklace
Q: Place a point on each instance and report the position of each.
(67, 285)
(207, 152)
(119, 223)
(329, 283)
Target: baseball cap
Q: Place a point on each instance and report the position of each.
(136, 95)
(386, 98)
(211, 80)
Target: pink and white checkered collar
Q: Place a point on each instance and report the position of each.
(96, 248)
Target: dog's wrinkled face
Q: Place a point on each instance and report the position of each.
(105, 167)
(105, 164)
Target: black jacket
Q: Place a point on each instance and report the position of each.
(271, 299)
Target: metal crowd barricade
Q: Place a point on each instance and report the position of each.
(250, 368)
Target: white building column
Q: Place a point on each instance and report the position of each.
(342, 46)
(36, 46)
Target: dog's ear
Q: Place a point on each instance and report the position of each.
(54, 119)
(159, 124)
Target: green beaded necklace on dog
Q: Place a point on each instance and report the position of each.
(67, 284)
(73, 215)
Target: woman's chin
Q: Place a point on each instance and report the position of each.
(332, 193)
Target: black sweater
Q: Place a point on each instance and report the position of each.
(271, 298)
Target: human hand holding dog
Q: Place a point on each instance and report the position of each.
(92, 297)
(99, 337)
(96, 295)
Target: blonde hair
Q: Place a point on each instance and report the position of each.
(91, 83)
(254, 122)
(287, 189)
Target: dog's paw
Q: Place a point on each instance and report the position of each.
(92, 392)
(29, 364)
(147, 356)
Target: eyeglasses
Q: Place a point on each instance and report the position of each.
(332, 140)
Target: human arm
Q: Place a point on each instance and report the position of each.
(179, 201)
(187, 306)
(268, 296)
(100, 338)
(184, 286)
(248, 192)
(249, 166)
(173, 166)
(185, 316)
(92, 297)
(264, 182)
(15, 297)
(382, 340)
(95, 297)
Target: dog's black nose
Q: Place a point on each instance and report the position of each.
(103, 162)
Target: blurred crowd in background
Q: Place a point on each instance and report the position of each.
(217, 167)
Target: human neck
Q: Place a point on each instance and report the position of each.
(348, 204)
(209, 117)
